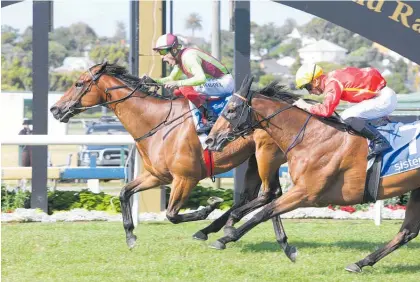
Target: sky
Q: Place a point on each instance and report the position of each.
(102, 15)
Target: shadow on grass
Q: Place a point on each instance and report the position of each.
(355, 245)
(401, 268)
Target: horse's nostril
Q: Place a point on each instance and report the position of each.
(54, 109)
(230, 136)
(209, 141)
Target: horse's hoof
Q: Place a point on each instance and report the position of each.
(230, 232)
(214, 201)
(291, 253)
(217, 245)
(200, 236)
(131, 242)
(354, 268)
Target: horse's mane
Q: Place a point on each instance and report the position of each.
(122, 73)
(277, 91)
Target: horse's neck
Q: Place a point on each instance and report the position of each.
(234, 154)
(292, 126)
(141, 113)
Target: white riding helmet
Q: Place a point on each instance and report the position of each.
(166, 41)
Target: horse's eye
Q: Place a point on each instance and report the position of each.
(231, 110)
(78, 84)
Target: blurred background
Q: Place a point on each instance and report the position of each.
(88, 32)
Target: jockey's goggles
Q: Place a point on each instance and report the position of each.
(163, 52)
(308, 87)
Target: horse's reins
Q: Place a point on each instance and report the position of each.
(236, 131)
(94, 80)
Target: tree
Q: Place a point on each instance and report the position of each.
(287, 49)
(401, 68)
(62, 81)
(120, 32)
(256, 70)
(193, 22)
(357, 58)
(322, 29)
(63, 36)
(288, 26)
(265, 80)
(115, 54)
(328, 66)
(266, 38)
(227, 52)
(8, 34)
(296, 65)
(396, 82)
(317, 28)
(83, 35)
(26, 39)
(56, 53)
(14, 76)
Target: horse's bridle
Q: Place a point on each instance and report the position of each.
(250, 126)
(95, 77)
(94, 80)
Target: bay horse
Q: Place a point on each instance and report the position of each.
(170, 149)
(327, 164)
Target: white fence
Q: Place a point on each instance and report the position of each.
(79, 140)
(109, 140)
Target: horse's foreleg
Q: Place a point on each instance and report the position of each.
(144, 182)
(216, 225)
(289, 201)
(181, 189)
(409, 230)
(253, 183)
(241, 211)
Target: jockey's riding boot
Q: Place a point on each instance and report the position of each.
(379, 142)
(211, 118)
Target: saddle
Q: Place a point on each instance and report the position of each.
(373, 170)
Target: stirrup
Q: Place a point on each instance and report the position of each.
(384, 147)
(204, 129)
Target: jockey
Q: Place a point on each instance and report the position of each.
(206, 76)
(364, 86)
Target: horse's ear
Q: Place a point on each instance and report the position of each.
(245, 86)
(103, 66)
(248, 92)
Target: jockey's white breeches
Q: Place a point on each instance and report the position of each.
(380, 106)
(217, 86)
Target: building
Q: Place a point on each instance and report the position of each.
(74, 64)
(322, 51)
(270, 66)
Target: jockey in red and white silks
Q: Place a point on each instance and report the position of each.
(363, 86)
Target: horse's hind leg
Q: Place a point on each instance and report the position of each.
(281, 237)
(409, 230)
(144, 182)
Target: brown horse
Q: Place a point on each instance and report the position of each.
(327, 164)
(170, 149)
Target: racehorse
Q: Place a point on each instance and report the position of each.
(170, 149)
(327, 164)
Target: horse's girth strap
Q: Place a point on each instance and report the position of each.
(208, 160)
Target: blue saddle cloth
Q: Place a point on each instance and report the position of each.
(405, 141)
(217, 105)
